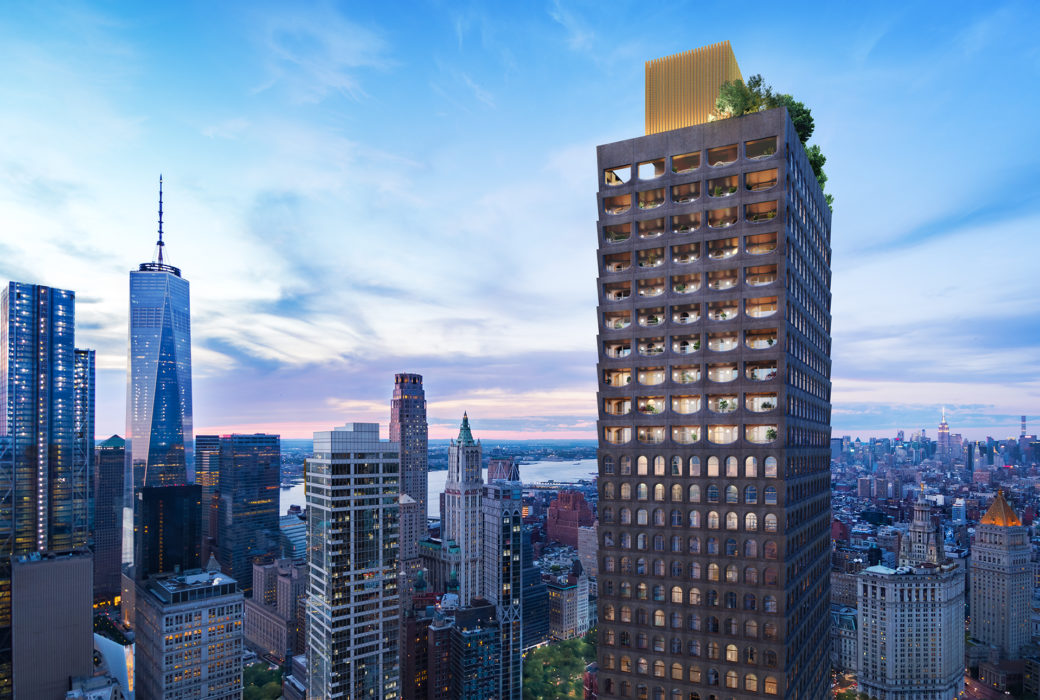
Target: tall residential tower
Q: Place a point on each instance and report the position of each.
(714, 399)
(409, 429)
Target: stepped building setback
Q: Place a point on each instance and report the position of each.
(714, 400)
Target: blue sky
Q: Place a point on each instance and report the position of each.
(354, 190)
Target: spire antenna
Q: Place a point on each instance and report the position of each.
(159, 243)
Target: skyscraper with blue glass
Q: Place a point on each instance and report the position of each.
(158, 396)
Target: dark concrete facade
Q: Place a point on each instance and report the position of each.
(713, 577)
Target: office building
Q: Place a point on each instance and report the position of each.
(714, 398)
(108, 518)
(502, 504)
(464, 652)
(247, 514)
(189, 637)
(274, 616)
(168, 537)
(567, 512)
(943, 444)
(1001, 581)
(415, 652)
(207, 476)
(588, 547)
(52, 622)
(83, 443)
(461, 524)
(158, 397)
(911, 620)
(352, 521)
(534, 604)
(569, 604)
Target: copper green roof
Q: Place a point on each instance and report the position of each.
(1001, 513)
(465, 435)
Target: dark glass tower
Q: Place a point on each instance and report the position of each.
(169, 536)
(108, 517)
(408, 428)
(83, 425)
(247, 511)
(714, 400)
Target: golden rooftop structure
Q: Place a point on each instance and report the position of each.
(681, 89)
(1001, 513)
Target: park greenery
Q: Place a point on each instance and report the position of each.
(261, 682)
(555, 672)
(737, 97)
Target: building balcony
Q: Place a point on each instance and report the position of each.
(688, 374)
(685, 405)
(650, 435)
(760, 211)
(760, 148)
(617, 291)
(619, 262)
(762, 307)
(684, 194)
(651, 258)
(723, 434)
(648, 318)
(617, 377)
(617, 436)
(617, 176)
(763, 371)
(686, 434)
(722, 218)
(651, 199)
(686, 284)
(722, 403)
(618, 204)
(651, 169)
(760, 434)
(723, 279)
(686, 344)
(760, 275)
(685, 223)
(686, 162)
(761, 339)
(721, 372)
(617, 407)
(617, 233)
(651, 376)
(651, 287)
(617, 321)
(650, 347)
(650, 405)
(723, 248)
(723, 155)
(760, 180)
(617, 351)
(760, 244)
(686, 254)
(722, 342)
(760, 403)
(685, 314)
(723, 186)
(723, 310)
(651, 228)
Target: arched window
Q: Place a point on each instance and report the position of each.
(732, 468)
(695, 677)
(658, 567)
(658, 618)
(626, 465)
(675, 621)
(770, 495)
(732, 680)
(751, 683)
(770, 657)
(609, 661)
(695, 571)
(713, 677)
(712, 545)
(608, 515)
(695, 518)
(641, 465)
(608, 490)
(626, 540)
(751, 495)
(676, 493)
(750, 467)
(625, 516)
(769, 550)
(642, 619)
(658, 492)
(676, 544)
(751, 522)
(642, 666)
(713, 520)
(693, 545)
(641, 566)
(750, 549)
(731, 547)
(677, 594)
(676, 465)
(626, 492)
(608, 464)
(769, 631)
(659, 669)
(769, 577)
(641, 591)
(625, 589)
(711, 598)
(609, 564)
(732, 494)
(659, 542)
(658, 465)
(713, 493)
(658, 517)
(750, 655)
(750, 602)
(769, 603)
(713, 466)
(695, 466)
(730, 627)
(751, 575)
(713, 572)
(751, 629)
(677, 671)
(677, 569)
(626, 565)
(695, 596)
(769, 686)
(770, 467)
(608, 613)
(693, 622)
(713, 651)
(731, 600)
(769, 522)
(732, 521)
(641, 492)
(731, 574)
(695, 493)
(675, 517)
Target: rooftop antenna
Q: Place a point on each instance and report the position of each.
(160, 241)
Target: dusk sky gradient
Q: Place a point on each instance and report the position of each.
(355, 190)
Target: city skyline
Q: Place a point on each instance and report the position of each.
(310, 121)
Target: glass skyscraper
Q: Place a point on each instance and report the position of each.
(158, 392)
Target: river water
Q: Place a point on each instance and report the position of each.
(535, 472)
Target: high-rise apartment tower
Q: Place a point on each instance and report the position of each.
(408, 428)
(714, 399)
(502, 505)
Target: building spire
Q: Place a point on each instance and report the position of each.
(160, 243)
(465, 434)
